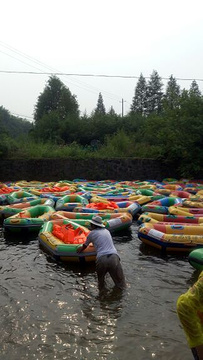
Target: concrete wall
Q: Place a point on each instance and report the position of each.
(90, 169)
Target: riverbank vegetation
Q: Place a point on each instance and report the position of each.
(163, 125)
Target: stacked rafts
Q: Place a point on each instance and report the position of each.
(175, 224)
(170, 213)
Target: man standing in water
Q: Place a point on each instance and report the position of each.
(107, 260)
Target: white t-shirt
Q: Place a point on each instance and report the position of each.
(102, 241)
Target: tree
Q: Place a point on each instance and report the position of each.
(191, 104)
(111, 111)
(100, 108)
(172, 95)
(139, 102)
(154, 93)
(84, 116)
(194, 89)
(14, 125)
(48, 128)
(55, 97)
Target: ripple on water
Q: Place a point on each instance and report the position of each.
(54, 311)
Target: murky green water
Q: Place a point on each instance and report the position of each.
(52, 311)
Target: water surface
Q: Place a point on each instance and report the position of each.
(53, 311)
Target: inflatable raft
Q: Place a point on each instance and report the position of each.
(161, 206)
(195, 259)
(179, 210)
(61, 238)
(173, 238)
(10, 210)
(20, 196)
(114, 222)
(170, 218)
(30, 219)
(124, 206)
(69, 202)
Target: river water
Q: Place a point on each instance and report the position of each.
(53, 311)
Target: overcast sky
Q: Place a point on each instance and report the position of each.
(110, 37)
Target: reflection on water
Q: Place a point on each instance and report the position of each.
(54, 311)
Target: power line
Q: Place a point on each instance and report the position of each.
(23, 62)
(22, 116)
(81, 84)
(90, 75)
(75, 82)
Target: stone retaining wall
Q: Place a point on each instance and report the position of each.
(90, 169)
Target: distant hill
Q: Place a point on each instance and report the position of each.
(13, 125)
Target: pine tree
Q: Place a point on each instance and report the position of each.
(172, 94)
(139, 101)
(100, 108)
(111, 111)
(194, 89)
(154, 93)
(56, 97)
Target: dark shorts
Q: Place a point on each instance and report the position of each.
(195, 355)
(110, 264)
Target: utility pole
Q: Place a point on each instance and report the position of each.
(122, 107)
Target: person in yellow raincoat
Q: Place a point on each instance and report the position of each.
(190, 313)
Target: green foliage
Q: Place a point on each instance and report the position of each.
(100, 108)
(131, 123)
(118, 145)
(55, 110)
(48, 127)
(7, 146)
(170, 129)
(13, 125)
(29, 149)
(190, 104)
(111, 111)
(139, 102)
(171, 99)
(3, 148)
(7, 143)
(154, 93)
(194, 89)
(70, 129)
(55, 97)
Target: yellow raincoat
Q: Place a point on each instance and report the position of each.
(190, 313)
